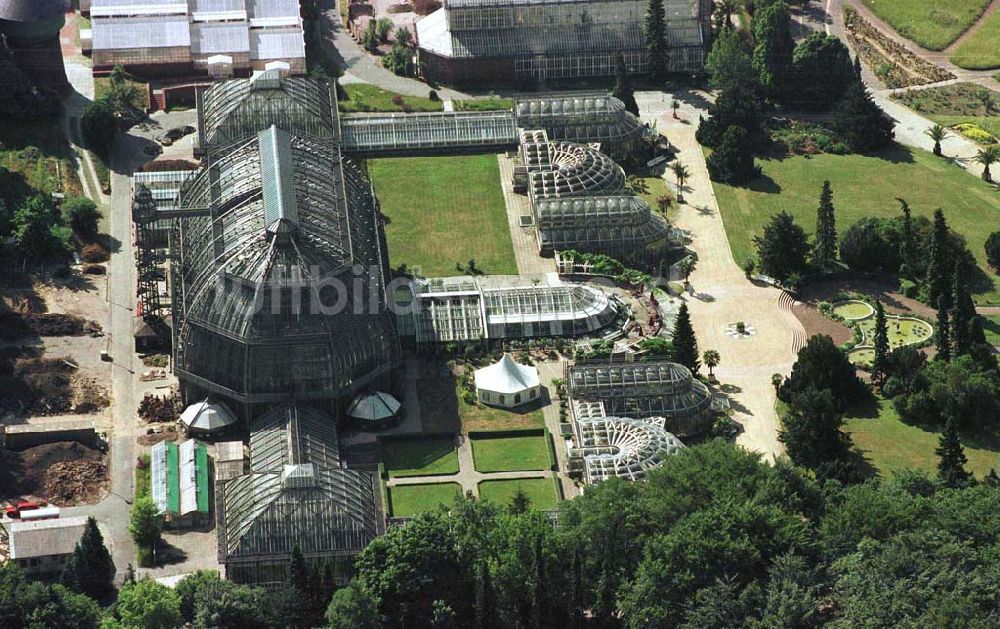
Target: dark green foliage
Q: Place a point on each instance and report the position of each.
(782, 248)
(188, 588)
(951, 458)
(811, 431)
(962, 389)
(685, 344)
(993, 249)
(732, 161)
(772, 56)
(940, 261)
(37, 231)
(860, 123)
(149, 605)
(82, 215)
(737, 105)
(728, 63)
(962, 312)
(32, 605)
(100, 128)
(821, 72)
(227, 605)
(822, 365)
(90, 570)
(623, 87)
(881, 345)
(351, 608)
(907, 245)
(654, 34)
(307, 595)
(943, 332)
(519, 503)
(825, 249)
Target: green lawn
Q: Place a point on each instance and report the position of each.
(931, 24)
(409, 500)
(143, 477)
(889, 445)
(365, 97)
(442, 211)
(431, 456)
(652, 188)
(991, 325)
(511, 454)
(540, 491)
(863, 186)
(981, 51)
(482, 417)
(491, 103)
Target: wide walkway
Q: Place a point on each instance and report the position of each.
(523, 238)
(720, 293)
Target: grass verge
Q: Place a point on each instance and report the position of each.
(409, 500)
(863, 186)
(510, 454)
(540, 491)
(364, 97)
(933, 25)
(981, 51)
(430, 456)
(959, 103)
(890, 446)
(492, 103)
(444, 211)
(143, 477)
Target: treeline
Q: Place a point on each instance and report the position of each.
(762, 70)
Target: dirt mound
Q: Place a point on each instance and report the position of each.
(64, 473)
(15, 325)
(46, 386)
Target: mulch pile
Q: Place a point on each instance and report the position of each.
(64, 473)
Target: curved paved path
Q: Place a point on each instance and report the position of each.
(721, 295)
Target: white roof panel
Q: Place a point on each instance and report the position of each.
(106, 8)
(277, 44)
(506, 376)
(122, 33)
(188, 477)
(214, 38)
(273, 8)
(44, 538)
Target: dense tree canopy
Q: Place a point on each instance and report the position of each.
(822, 365)
(821, 72)
(860, 122)
(32, 605)
(728, 62)
(772, 55)
(782, 248)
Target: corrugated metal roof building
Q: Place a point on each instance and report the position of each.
(43, 546)
(155, 38)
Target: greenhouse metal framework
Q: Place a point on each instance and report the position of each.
(394, 133)
(561, 169)
(621, 226)
(642, 389)
(273, 225)
(296, 494)
(621, 447)
(500, 307)
(509, 40)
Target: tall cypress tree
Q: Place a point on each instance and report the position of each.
(951, 458)
(541, 594)
(90, 569)
(907, 246)
(939, 269)
(825, 250)
(943, 332)
(655, 39)
(685, 343)
(486, 603)
(962, 312)
(881, 344)
(623, 87)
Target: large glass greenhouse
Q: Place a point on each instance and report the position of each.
(644, 389)
(279, 282)
(508, 40)
(607, 447)
(562, 169)
(296, 494)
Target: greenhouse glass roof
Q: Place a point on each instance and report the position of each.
(562, 169)
(622, 447)
(640, 389)
(293, 435)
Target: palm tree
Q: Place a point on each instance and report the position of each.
(711, 359)
(724, 13)
(681, 173)
(987, 156)
(686, 267)
(938, 134)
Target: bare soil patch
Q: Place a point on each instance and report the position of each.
(65, 473)
(31, 385)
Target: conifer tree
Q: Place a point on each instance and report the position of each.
(951, 458)
(943, 332)
(623, 87)
(939, 264)
(90, 569)
(881, 344)
(825, 250)
(655, 39)
(486, 604)
(541, 595)
(685, 343)
(860, 122)
(962, 313)
(520, 503)
(907, 247)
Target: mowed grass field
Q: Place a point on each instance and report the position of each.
(981, 51)
(444, 210)
(890, 446)
(409, 500)
(510, 454)
(863, 186)
(430, 456)
(540, 491)
(931, 24)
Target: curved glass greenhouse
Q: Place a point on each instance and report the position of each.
(622, 447)
(563, 169)
(621, 226)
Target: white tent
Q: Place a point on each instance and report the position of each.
(507, 383)
(375, 407)
(206, 416)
